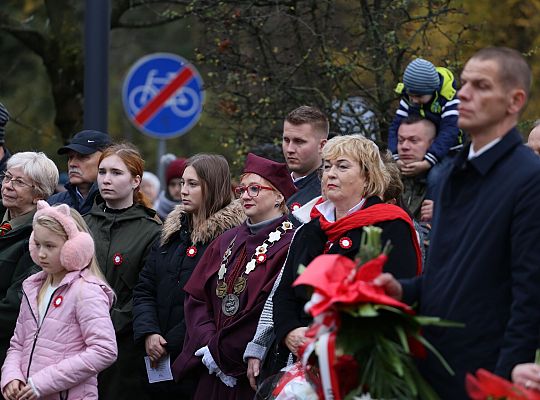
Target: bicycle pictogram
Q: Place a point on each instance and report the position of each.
(183, 103)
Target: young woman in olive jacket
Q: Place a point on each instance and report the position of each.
(124, 229)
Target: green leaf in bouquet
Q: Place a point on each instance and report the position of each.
(436, 321)
(425, 391)
(382, 350)
(537, 357)
(363, 310)
(385, 364)
(430, 347)
(402, 338)
(301, 269)
(370, 243)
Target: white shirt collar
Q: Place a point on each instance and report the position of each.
(327, 209)
(297, 179)
(483, 149)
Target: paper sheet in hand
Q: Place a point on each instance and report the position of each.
(161, 372)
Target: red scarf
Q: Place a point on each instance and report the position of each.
(364, 217)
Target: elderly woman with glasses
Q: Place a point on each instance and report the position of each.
(29, 177)
(229, 286)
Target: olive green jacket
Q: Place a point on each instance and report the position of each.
(123, 241)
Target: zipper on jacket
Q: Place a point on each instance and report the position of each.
(38, 326)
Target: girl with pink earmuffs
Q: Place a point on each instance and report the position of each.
(64, 334)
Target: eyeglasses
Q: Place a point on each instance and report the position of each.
(252, 190)
(15, 182)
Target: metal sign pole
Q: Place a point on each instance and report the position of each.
(97, 16)
(162, 148)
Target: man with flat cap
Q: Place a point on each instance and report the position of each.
(83, 153)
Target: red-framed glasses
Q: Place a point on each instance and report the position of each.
(252, 189)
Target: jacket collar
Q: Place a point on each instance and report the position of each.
(73, 189)
(137, 211)
(228, 217)
(305, 181)
(39, 277)
(33, 283)
(484, 162)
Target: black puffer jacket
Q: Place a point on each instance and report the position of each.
(158, 298)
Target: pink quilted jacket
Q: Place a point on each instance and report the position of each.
(75, 342)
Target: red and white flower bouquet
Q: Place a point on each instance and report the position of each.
(361, 342)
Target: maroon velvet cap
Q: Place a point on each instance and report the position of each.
(274, 172)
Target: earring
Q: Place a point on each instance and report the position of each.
(276, 205)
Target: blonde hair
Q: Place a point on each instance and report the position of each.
(55, 227)
(366, 153)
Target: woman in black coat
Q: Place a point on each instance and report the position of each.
(207, 210)
(354, 180)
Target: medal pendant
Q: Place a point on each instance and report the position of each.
(221, 289)
(240, 284)
(261, 249)
(230, 304)
(286, 225)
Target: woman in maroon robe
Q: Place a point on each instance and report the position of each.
(228, 288)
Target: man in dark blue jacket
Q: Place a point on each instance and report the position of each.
(305, 132)
(483, 267)
(83, 153)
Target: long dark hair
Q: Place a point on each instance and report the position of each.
(215, 178)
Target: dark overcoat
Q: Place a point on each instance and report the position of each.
(483, 267)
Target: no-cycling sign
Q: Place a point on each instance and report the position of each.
(163, 95)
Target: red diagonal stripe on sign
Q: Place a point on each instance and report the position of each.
(154, 105)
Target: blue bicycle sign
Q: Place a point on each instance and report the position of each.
(163, 95)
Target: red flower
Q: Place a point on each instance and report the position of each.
(486, 385)
(346, 369)
(329, 275)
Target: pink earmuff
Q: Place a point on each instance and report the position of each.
(78, 250)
